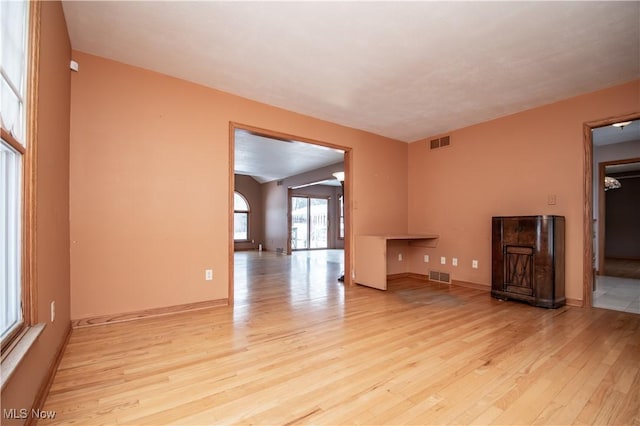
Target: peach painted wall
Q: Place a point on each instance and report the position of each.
(52, 210)
(507, 166)
(150, 182)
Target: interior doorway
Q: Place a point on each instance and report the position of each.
(313, 232)
(604, 141)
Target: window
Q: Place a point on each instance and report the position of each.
(240, 217)
(309, 222)
(13, 88)
(10, 185)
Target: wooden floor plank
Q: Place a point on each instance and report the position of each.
(298, 347)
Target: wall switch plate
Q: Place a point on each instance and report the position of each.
(208, 274)
(454, 261)
(53, 311)
(443, 260)
(399, 257)
(426, 258)
(474, 264)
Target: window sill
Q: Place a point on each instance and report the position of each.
(18, 352)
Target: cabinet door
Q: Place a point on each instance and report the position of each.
(518, 273)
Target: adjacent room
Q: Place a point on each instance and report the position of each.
(616, 165)
(319, 212)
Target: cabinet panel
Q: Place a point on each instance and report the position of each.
(528, 259)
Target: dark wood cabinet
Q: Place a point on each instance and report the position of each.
(528, 259)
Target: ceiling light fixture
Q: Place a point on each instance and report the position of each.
(622, 124)
(611, 183)
(339, 176)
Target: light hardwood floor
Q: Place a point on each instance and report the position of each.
(300, 348)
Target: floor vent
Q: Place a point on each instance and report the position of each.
(440, 142)
(441, 277)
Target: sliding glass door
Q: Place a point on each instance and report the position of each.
(309, 223)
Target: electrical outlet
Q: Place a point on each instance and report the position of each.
(53, 311)
(443, 260)
(399, 257)
(474, 264)
(426, 258)
(208, 274)
(454, 261)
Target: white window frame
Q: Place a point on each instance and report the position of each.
(11, 316)
(246, 213)
(16, 168)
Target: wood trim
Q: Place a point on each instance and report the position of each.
(147, 313)
(587, 217)
(476, 286)
(466, 284)
(348, 172)
(41, 396)
(348, 195)
(285, 137)
(29, 271)
(232, 189)
(574, 302)
(391, 277)
(13, 142)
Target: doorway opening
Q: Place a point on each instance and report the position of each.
(607, 143)
(281, 164)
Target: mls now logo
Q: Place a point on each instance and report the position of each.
(23, 413)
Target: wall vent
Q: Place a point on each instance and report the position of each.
(441, 277)
(279, 183)
(440, 142)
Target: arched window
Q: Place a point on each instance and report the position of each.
(240, 217)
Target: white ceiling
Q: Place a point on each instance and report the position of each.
(608, 135)
(407, 70)
(267, 159)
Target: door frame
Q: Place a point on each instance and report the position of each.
(588, 274)
(348, 194)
